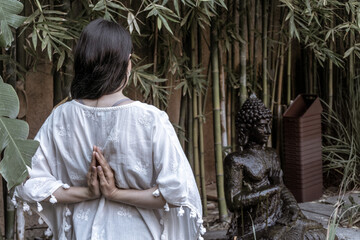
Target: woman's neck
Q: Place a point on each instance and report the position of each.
(105, 100)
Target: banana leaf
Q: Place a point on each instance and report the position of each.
(18, 151)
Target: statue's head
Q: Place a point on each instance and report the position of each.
(253, 122)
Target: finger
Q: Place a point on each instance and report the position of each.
(93, 173)
(101, 175)
(101, 155)
(103, 163)
(93, 160)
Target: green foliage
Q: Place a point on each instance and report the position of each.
(341, 146)
(9, 10)
(13, 133)
(313, 23)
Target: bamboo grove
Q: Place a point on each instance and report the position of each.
(207, 57)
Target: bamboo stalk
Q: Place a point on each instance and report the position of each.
(217, 123)
(236, 69)
(233, 114)
(351, 57)
(222, 99)
(251, 33)
(315, 76)
(243, 93)
(288, 92)
(264, 63)
(195, 132)
(156, 36)
(280, 84)
(331, 74)
(182, 119)
(201, 120)
(202, 157)
(190, 129)
(258, 43)
(310, 66)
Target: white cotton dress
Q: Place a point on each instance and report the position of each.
(142, 148)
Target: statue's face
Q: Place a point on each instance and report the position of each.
(261, 132)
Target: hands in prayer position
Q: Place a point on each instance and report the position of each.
(101, 178)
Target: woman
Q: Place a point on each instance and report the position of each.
(142, 188)
(254, 189)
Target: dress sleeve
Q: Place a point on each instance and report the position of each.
(171, 165)
(176, 183)
(41, 183)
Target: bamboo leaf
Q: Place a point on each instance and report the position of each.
(61, 60)
(34, 38)
(176, 6)
(99, 6)
(163, 20)
(49, 51)
(348, 52)
(158, 23)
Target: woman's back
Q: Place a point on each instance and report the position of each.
(141, 147)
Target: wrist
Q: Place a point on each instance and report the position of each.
(91, 195)
(114, 195)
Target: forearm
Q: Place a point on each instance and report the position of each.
(138, 198)
(72, 195)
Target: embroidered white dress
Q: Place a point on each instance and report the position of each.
(142, 148)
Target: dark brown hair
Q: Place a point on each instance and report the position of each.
(101, 59)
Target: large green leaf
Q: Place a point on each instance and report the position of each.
(9, 18)
(17, 157)
(13, 133)
(9, 103)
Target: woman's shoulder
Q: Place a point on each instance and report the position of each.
(150, 110)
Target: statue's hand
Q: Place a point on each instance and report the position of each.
(290, 214)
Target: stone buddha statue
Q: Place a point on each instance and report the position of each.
(263, 207)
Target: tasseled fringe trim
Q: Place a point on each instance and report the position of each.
(53, 200)
(48, 232)
(67, 212)
(39, 207)
(40, 221)
(192, 214)
(181, 212)
(67, 227)
(156, 193)
(26, 208)
(202, 230)
(166, 207)
(65, 186)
